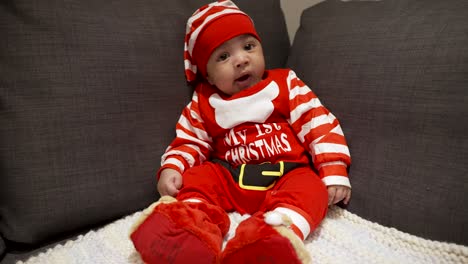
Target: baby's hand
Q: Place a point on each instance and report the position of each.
(336, 193)
(169, 182)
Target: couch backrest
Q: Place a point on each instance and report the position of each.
(90, 94)
(395, 73)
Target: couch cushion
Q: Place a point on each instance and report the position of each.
(91, 92)
(2, 248)
(395, 73)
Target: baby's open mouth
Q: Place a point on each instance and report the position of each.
(243, 78)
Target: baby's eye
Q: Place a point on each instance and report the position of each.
(248, 46)
(223, 57)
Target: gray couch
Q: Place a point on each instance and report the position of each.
(91, 91)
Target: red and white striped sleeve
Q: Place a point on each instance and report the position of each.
(192, 144)
(320, 132)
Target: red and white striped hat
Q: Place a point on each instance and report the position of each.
(209, 27)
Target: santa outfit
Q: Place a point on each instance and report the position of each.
(251, 153)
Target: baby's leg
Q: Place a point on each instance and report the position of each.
(302, 197)
(294, 207)
(187, 230)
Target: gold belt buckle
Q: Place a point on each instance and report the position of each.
(266, 173)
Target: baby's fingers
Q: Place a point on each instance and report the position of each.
(177, 183)
(340, 195)
(167, 189)
(171, 189)
(348, 197)
(331, 194)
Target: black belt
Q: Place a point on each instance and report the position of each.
(258, 177)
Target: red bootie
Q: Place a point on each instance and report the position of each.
(257, 242)
(179, 232)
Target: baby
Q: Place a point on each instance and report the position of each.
(254, 141)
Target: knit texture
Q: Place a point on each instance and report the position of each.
(342, 237)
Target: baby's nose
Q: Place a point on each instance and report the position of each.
(242, 60)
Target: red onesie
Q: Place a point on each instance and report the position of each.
(277, 120)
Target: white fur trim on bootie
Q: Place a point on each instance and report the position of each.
(146, 212)
(276, 219)
(289, 217)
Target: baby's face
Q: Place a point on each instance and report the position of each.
(236, 65)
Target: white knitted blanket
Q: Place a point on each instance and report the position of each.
(342, 237)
